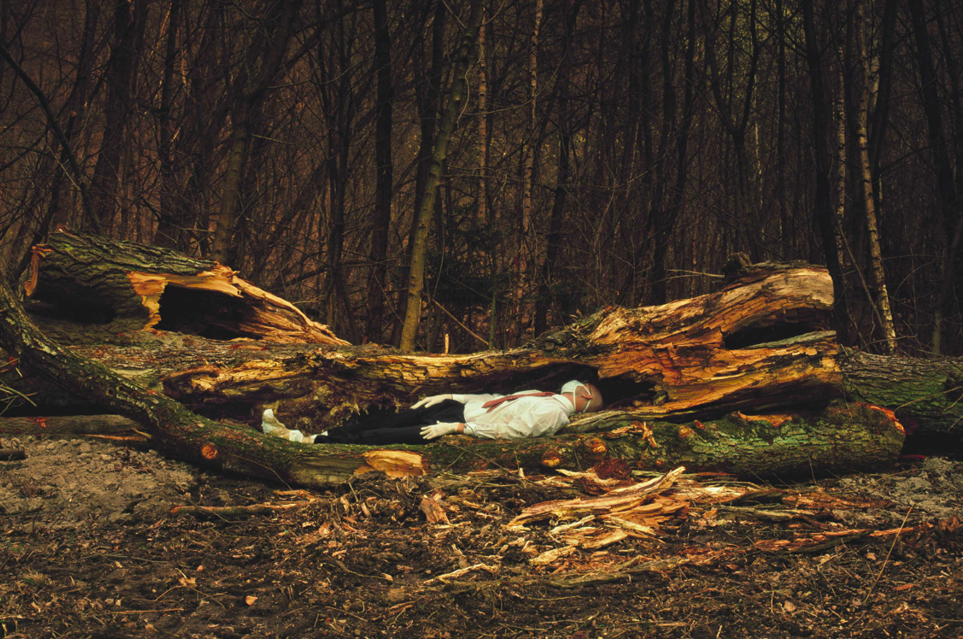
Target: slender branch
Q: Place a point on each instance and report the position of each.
(74, 166)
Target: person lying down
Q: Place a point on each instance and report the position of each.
(528, 413)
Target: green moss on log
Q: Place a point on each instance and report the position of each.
(924, 393)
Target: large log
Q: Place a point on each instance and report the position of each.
(88, 288)
(756, 344)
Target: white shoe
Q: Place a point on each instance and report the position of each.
(269, 422)
(271, 426)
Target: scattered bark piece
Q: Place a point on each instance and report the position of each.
(631, 526)
(433, 511)
(612, 537)
(820, 500)
(823, 540)
(551, 556)
(784, 514)
(566, 527)
(222, 512)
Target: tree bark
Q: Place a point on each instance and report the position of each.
(428, 103)
(822, 142)
(524, 242)
(172, 223)
(758, 345)
(545, 296)
(130, 21)
(175, 430)
(945, 186)
(869, 200)
(381, 225)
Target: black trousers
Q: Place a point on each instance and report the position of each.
(403, 427)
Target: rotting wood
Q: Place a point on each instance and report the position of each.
(461, 572)
(760, 344)
(615, 500)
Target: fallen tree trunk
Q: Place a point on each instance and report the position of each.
(69, 426)
(672, 347)
(86, 288)
(759, 345)
(925, 394)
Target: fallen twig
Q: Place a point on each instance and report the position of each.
(460, 573)
(883, 567)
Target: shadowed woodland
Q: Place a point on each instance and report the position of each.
(592, 184)
(466, 174)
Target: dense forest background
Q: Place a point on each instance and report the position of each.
(500, 167)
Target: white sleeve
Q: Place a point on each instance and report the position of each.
(464, 399)
(544, 420)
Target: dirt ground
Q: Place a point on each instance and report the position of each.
(90, 547)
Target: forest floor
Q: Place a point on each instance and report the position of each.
(90, 547)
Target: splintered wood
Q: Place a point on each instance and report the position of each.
(633, 510)
(625, 500)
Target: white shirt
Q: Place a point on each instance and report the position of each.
(518, 418)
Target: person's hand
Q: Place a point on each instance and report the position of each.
(431, 401)
(439, 430)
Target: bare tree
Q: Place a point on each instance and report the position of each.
(446, 127)
(250, 90)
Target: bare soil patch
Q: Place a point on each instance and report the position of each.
(89, 547)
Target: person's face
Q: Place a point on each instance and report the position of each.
(589, 394)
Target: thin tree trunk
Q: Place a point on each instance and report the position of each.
(524, 246)
(427, 100)
(171, 229)
(944, 184)
(416, 273)
(244, 116)
(822, 143)
(786, 227)
(841, 170)
(76, 105)
(481, 198)
(554, 239)
(378, 255)
(735, 122)
(73, 165)
(661, 241)
(877, 273)
(130, 20)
